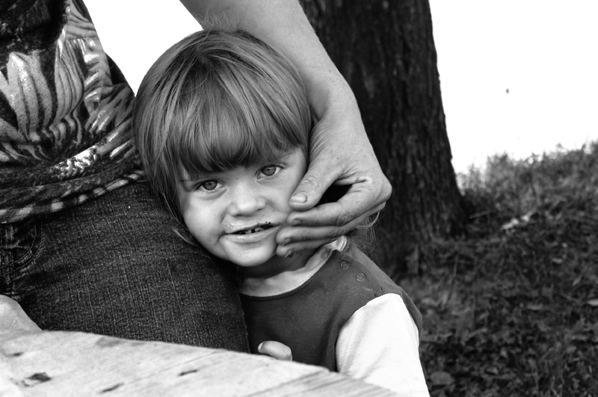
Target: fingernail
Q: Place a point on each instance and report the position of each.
(285, 241)
(295, 221)
(299, 198)
(289, 254)
(259, 347)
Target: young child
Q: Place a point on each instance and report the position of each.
(222, 124)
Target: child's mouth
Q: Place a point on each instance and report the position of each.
(255, 229)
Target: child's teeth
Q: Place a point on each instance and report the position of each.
(254, 230)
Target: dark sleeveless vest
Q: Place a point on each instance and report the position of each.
(310, 318)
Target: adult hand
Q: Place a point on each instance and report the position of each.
(340, 153)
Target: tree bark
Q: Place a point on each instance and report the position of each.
(385, 49)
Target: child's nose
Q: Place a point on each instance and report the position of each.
(246, 200)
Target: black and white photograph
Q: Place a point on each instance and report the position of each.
(298, 198)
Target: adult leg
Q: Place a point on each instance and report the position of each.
(114, 266)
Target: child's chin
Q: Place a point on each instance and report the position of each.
(252, 261)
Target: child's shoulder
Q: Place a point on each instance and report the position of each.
(352, 269)
(358, 278)
(351, 257)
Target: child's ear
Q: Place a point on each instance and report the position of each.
(334, 193)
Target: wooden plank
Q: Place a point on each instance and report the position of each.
(75, 364)
(325, 384)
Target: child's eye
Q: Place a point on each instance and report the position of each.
(270, 170)
(207, 185)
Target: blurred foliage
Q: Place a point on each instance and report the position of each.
(511, 307)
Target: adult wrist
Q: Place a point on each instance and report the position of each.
(331, 93)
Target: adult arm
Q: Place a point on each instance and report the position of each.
(340, 151)
(380, 345)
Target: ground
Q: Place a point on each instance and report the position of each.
(510, 307)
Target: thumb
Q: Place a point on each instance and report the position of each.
(312, 187)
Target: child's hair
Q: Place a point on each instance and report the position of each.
(214, 101)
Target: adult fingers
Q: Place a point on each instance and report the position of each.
(320, 175)
(297, 238)
(365, 196)
(292, 234)
(310, 244)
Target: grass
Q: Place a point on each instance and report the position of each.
(511, 307)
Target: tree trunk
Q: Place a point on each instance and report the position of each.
(385, 49)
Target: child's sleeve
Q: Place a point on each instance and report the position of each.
(380, 345)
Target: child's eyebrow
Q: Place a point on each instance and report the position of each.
(192, 177)
(188, 182)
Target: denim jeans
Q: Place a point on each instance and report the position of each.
(114, 266)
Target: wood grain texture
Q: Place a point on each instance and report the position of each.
(81, 364)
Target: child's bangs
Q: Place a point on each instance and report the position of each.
(221, 132)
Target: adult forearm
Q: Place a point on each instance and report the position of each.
(282, 24)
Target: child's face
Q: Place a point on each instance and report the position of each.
(236, 214)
